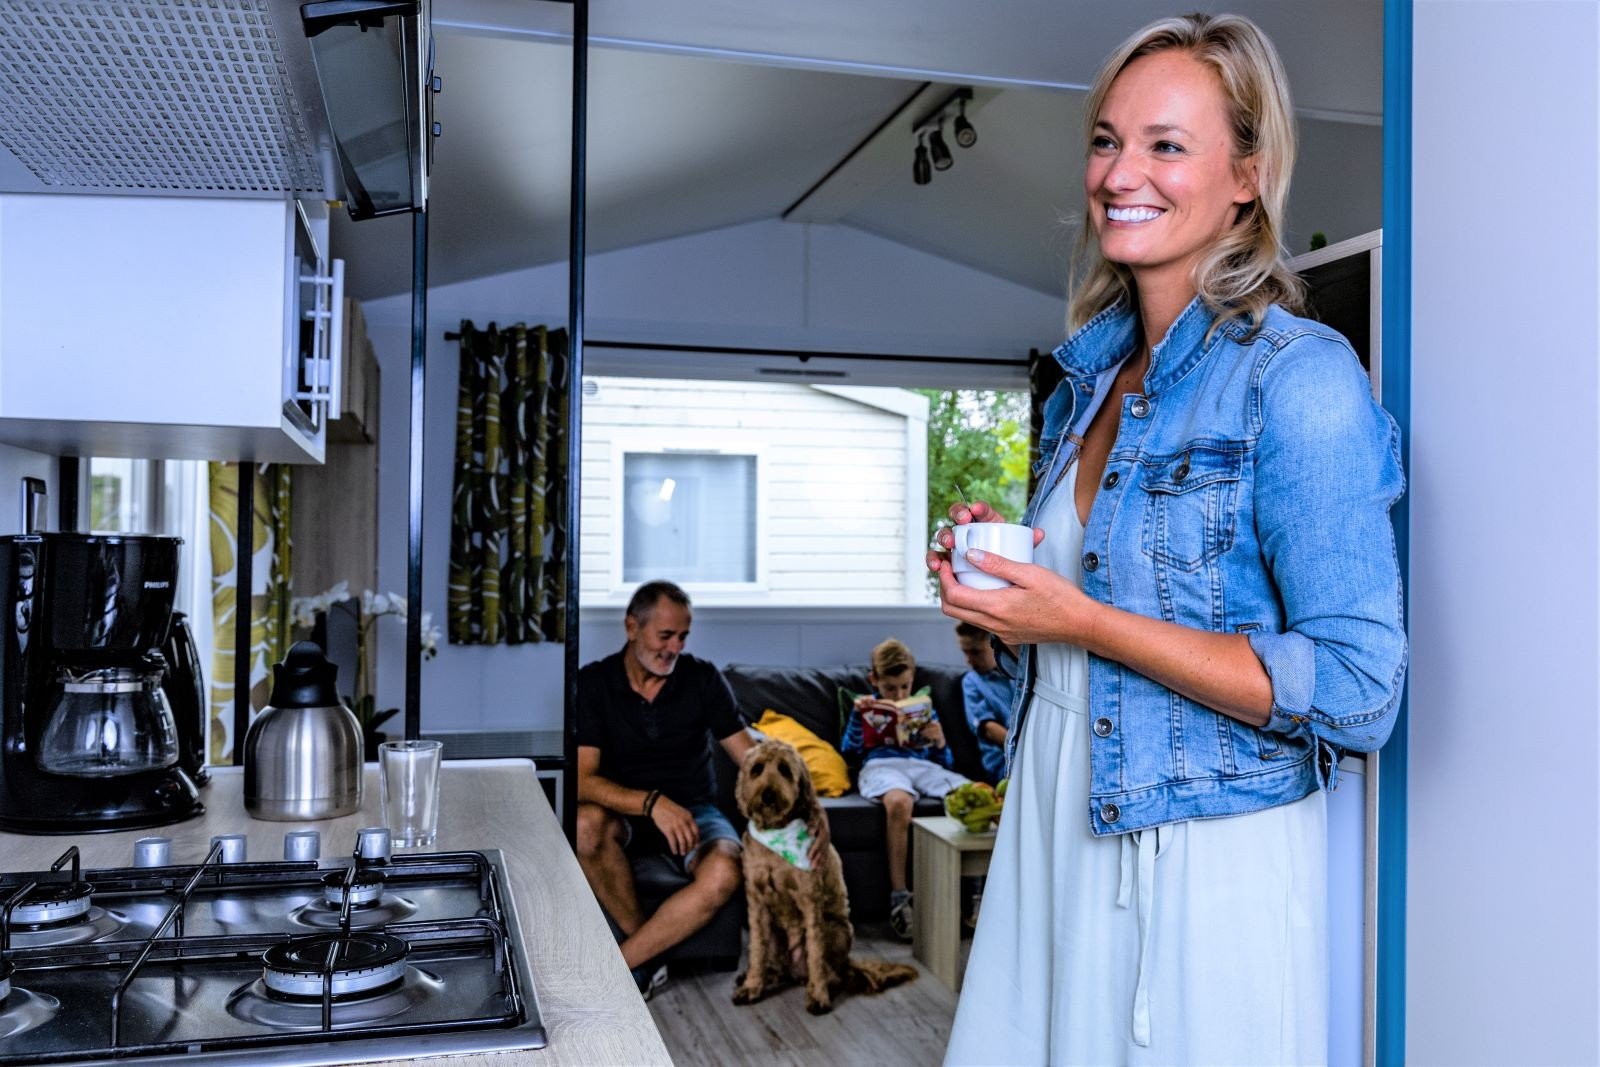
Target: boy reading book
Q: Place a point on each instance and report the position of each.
(903, 757)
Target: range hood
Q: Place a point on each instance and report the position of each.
(374, 61)
(329, 100)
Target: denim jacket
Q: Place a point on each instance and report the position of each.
(1248, 491)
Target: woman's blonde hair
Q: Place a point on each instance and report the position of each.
(1245, 270)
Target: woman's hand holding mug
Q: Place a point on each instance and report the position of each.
(1018, 602)
(980, 526)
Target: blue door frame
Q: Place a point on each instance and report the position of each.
(1391, 962)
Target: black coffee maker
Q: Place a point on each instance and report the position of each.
(88, 740)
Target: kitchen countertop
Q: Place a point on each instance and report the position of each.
(592, 1012)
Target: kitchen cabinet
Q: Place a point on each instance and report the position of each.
(164, 327)
(356, 419)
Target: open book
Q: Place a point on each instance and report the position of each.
(903, 729)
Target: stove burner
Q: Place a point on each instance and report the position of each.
(320, 915)
(366, 962)
(365, 891)
(53, 904)
(255, 1003)
(96, 924)
(21, 1010)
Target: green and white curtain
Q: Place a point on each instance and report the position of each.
(508, 535)
(268, 595)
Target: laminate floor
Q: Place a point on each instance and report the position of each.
(908, 1025)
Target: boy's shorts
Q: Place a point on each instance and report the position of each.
(642, 839)
(919, 777)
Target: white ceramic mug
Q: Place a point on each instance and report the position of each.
(1007, 539)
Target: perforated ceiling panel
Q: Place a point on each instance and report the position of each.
(153, 95)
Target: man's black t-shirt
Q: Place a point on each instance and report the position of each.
(663, 744)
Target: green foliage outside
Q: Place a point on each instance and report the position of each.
(977, 439)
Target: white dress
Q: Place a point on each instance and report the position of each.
(1201, 942)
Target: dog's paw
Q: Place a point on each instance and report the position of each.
(818, 1006)
(746, 994)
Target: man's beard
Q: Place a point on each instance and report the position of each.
(647, 660)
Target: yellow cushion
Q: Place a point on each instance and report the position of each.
(828, 772)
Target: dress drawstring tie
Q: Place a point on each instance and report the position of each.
(1139, 852)
(1137, 876)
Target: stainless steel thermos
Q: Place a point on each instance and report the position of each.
(302, 756)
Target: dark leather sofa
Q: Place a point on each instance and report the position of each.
(810, 696)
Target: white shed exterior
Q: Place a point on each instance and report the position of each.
(841, 484)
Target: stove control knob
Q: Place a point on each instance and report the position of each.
(233, 847)
(152, 852)
(372, 844)
(301, 845)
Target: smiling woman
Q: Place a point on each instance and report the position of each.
(1212, 614)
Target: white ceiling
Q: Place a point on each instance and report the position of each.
(734, 121)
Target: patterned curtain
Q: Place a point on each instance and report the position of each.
(1044, 374)
(269, 595)
(508, 536)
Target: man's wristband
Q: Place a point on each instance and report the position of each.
(650, 799)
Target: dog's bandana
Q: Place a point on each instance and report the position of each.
(792, 841)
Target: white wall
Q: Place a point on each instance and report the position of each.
(765, 284)
(1502, 866)
(800, 637)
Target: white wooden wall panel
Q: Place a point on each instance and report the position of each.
(833, 469)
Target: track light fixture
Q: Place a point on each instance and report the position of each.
(933, 152)
(942, 160)
(966, 136)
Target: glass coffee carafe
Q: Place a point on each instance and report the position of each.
(109, 721)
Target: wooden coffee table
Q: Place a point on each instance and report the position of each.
(943, 853)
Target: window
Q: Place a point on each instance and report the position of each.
(168, 497)
(688, 517)
(779, 493)
(122, 495)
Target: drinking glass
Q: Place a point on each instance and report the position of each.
(408, 781)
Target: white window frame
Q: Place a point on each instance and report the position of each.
(691, 442)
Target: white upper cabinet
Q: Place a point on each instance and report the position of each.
(165, 327)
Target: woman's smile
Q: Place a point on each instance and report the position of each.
(1133, 215)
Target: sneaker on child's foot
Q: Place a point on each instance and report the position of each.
(901, 917)
(649, 979)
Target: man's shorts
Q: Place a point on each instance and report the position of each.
(919, 777)
(640, 838)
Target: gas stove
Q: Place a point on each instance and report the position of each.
(301, 961)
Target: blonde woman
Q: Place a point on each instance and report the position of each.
(1213, 613)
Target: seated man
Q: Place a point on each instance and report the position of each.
(646, 783)
(987, 691)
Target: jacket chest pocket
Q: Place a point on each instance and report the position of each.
(1191, 504)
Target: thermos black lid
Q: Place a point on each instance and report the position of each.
(305, 679)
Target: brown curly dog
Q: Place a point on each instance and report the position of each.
(799, 919)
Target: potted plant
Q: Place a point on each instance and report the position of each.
(304, 613)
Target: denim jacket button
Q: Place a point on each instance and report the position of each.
(1183, 470)
(1102, 727)
(1110, 813)
(1090, 561)
(1112, 479)
(1140, 408)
